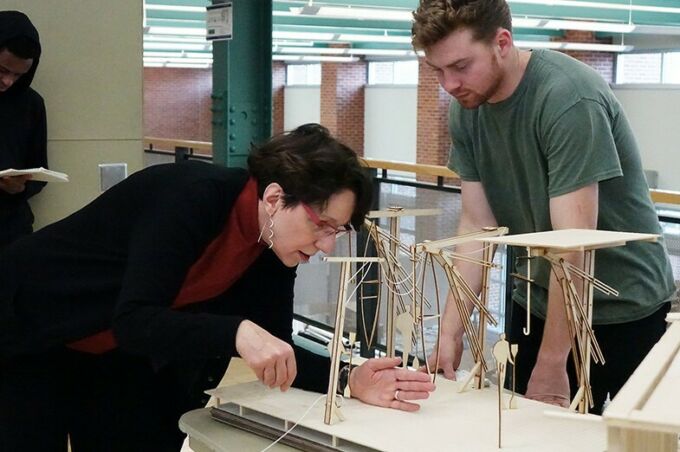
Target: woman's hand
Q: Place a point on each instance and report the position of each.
(378, 382)
(272, 359)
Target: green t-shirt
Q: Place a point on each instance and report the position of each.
(563, 129)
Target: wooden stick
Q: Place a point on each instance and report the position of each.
(436, 245)
(330, 408)
(500, 407)
(470, 376)
(527, 329)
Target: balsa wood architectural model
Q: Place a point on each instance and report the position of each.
(645, 414)
(448, 421)
(333, 411)
(400, 283)
(504, 353)
(441, 252)
(551, 245)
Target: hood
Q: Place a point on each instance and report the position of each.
(12, 25)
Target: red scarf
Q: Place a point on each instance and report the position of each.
(222, 263)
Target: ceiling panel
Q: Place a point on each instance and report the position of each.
(385, 24)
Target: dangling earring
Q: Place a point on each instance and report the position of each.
(269, 239)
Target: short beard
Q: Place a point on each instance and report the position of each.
(475, 99)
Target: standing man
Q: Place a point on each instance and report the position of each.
(541, 143)
(23, 125)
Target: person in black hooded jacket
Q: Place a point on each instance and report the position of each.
(23, 124)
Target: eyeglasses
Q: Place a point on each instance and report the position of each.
(323, 228)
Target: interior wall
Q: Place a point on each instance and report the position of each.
(301, 105)
(654, 116)
(90, 76)
(390, 123)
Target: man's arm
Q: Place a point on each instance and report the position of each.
(549, 382)
(476, 214)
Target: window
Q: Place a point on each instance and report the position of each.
(303, 74)
(652, 67)
(638, 68)
(671, 67)
(393, 72)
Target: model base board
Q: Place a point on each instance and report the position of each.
(447, 421)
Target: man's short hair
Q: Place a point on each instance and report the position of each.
(436, 19)
(22, 47)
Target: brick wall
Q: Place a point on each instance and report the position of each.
(342, 102)
(177, 103)
(602, 62)
(328, 96)
(278, 85)
(433, 141)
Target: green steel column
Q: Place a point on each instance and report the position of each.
(242, 83)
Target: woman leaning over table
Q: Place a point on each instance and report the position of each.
(114, 320)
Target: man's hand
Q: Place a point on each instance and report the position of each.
(272, 359)
(450, 353)
(549, 383)
(14, 184)
(378, 381)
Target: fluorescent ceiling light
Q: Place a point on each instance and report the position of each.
(586, 46)
(311, 50)
(156, 38)
(310, 36)
(525, 22)
(588, 26)
(182, 31)
(179, 65)
(177, 60)
(287, 42)
(300, 58)
(375, 38)
(349, 12)
(336, 59)
(284, 14)
(178, 54)
(601, 5)
(172, 46)
(539, 44)
(592, 47)
(184, 9)
(342, 51)
(381, 52)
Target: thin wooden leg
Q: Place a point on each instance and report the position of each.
(389, 340)
(331, 410)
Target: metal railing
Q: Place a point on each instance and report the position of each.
(203, 150)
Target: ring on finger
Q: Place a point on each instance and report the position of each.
(396, 395)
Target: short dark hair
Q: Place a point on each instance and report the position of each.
(436, 19)
(311, 166)
(22, 47)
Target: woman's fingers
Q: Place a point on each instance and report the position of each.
(403, 406)
(272, 359)
(269, 376)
